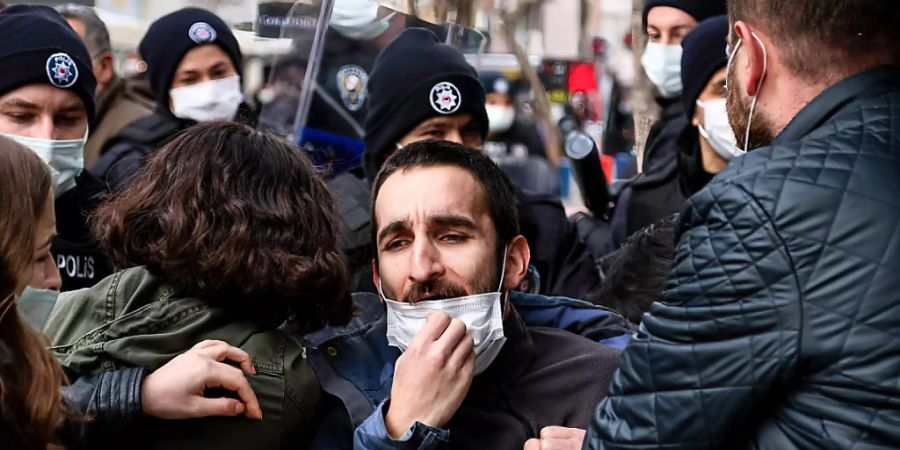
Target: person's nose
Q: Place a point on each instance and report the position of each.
(453, 135)
(52, 279)
(425, 262)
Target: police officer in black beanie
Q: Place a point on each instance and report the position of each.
(666, 23)
(422, 89)
(46, 102)
(194, 67)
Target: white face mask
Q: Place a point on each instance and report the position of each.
(716, 129)
(208, 101)
(65, 158)
(482, 314)
(500, 118)
(662, 63)
(358, 19)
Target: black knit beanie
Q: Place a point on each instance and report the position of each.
(414, 79)
(173, 35)
(38, 46)
(495, 83)
(700, 10)
(703, 55)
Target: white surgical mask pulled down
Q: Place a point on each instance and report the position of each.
(65, 158)
(662, 63)
(482, 314)
(716, 129)
(209, 100)
(500, 118)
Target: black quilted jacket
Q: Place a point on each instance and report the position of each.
(780, 325)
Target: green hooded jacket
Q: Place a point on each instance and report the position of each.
(134, 319)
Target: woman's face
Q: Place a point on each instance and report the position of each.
(42, 273)
(203, 63)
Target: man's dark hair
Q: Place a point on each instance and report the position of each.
(498, 191)
(637, 276)
(239, 218)
(826, 39)
(96, 35)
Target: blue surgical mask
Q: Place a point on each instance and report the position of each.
(35, 305)
(662, 63)
(65, 158)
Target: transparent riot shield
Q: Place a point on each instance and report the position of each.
(317, 93)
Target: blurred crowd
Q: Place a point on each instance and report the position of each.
(388, 246)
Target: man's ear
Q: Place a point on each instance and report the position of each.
(105, 73)
(518, 256)
(754, 62)
(376, 278)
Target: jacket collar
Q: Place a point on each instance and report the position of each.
(107, 97)
(869, 84)
(515, 356)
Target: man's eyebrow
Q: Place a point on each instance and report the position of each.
(393, 227)
(19, 103)
(454, 221)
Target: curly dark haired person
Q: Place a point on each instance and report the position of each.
(226, 234)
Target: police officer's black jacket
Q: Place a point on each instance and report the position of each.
(779, 329)
(127, 152)
(80, 262)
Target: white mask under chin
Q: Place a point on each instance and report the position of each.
(717, 130)
(65, 158)
(662, 63)
(500, 118)
(482, 314)
(208, 101)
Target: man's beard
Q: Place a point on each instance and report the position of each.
(440, 289)
(761, 129)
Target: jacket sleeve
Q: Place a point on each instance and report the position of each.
(718, 344)
(373, 435)
(102, 403)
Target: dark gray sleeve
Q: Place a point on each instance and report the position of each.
(99, 404)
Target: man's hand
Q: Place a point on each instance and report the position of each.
(175, 390)
(557, 438)
(433, 375)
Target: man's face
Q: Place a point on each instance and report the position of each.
(762, 130)
(459, 128)
(435, 237)
(43, 111)
(101, 63)
(668, 26)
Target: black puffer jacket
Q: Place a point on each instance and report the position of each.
(780, 326)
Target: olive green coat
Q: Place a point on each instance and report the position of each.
(134, 319)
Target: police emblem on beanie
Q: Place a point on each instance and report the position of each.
(201, 32)
(351, 81)
(445, 98)
(61, 70)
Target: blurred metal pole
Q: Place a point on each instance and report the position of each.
(312, 69)
(509, 20)
(646, 111)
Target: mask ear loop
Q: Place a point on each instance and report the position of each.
(503, 269)
(758, 88)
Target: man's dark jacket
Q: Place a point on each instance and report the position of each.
(779, 326)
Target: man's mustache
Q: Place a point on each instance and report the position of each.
(433, 290)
